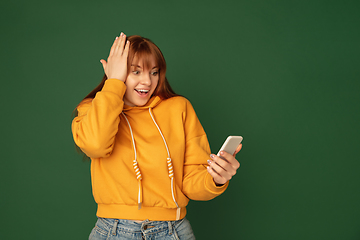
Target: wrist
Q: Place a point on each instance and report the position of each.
(218, 184)
(115, 78)
(115, 86)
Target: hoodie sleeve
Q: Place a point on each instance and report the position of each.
(96, 125)
(198, 184)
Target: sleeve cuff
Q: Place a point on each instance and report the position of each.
(211, 186)
(115, 86)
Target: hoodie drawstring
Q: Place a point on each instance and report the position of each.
(170, 167)
(137, 169)
(135, 164)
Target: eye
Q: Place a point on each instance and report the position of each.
(155, 73)
(136, 72)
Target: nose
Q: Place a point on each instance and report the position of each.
(146, 80)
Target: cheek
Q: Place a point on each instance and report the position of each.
(127, 96)
(155, 82)
(129, 82)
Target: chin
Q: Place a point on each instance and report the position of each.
(141, 103)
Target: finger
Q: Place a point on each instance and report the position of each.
(124, 42)
(113, 47)
(230, 158)
(224, 164)
(224, 173)
(103, 62)
(237, 149)
(120, 46)
(217, 178)
(126, 50)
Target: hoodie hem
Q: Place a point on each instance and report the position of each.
(118, 211)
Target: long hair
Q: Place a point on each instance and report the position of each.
(144, 50)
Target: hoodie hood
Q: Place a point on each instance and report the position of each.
(153, 102)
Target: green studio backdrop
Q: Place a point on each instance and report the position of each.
(283, 74)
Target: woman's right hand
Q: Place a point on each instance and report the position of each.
(116, 64)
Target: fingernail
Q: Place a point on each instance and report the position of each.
(221, 153)
(208, 161)
(212, 155)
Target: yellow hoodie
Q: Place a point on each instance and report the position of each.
(146, 162)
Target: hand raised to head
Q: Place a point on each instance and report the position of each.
(116, 64)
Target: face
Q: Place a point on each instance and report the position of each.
(140, 83)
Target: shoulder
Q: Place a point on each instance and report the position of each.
(178, 105)
(178, 101)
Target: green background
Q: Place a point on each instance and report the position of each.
(283, 74)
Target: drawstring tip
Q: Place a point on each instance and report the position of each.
(139, 206)
(178, 214)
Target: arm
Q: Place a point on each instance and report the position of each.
(96, 125)
(198, 184)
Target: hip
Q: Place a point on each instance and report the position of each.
(119, 229)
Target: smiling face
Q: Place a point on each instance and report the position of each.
(141, 82)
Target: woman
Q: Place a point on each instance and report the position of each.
(149, 153)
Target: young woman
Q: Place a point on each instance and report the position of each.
(149, 153)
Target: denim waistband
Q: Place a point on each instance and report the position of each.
(146, 227)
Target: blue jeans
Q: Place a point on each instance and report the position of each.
(119, 229)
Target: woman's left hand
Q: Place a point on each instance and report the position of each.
(222, 170)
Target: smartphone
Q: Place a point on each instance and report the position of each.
(230, 144)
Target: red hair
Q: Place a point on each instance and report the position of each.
(144, 50)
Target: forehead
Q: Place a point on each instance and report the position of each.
(145, 61)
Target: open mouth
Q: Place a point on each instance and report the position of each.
(142, 91)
